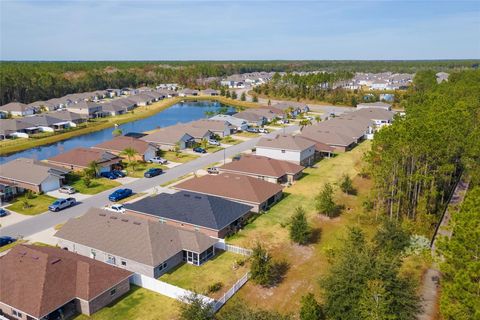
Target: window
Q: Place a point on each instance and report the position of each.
(16, 313)
(93, 253)
(283, 151)
(113, 291)
(110, 259)
(124, 263)
(162, 266)
(162, 220)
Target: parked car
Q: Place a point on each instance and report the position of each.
(115, 208)
(236, 157)
(3, 213)
(252, 130)
(158, 160)
(213, 170)
(119, 173)
(67, 190)
(109, 175)
(120, 194)
(61, 204)
(152, 172)
(213, 142)
(263, 130)
(199, 150)
(4, 240)
(283, 121)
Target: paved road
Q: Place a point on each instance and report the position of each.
(50, 219)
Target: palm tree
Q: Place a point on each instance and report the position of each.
(304, 123)
(92, 169)
(130, 153)
(318, 119)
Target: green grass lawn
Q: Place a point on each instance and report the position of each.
(141, 168)
(212, 149)
(38, 204)
(138, 304)
(218, 269)
(97, 185)
(230, 140)
(247, 134)
(182, 156)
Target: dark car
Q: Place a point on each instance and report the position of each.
(199, 150)
(3, 212)
(152, 172)
(213, 170)
(6, 240)
(61, 204)
(109, 175)
(119, 173)
(120, 194)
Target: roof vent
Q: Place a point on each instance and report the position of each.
(125, 220)
(137, 223)
(57, 260)
(102, 214)
(186, 195)
(114, 218)
(198, 197)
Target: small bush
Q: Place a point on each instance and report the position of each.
(215, 287)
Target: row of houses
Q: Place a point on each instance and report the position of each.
(378, 81)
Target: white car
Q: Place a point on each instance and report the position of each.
(158, 160)
(118, 208)
(283, 121)
(263, 130)
(213, 142)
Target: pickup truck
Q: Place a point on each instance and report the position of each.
(115, 208)
(61, 204)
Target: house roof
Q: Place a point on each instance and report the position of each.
(193, 208)
(67, 115)
(286, 142)
(210, 124)
(141, 240)
(83, 105)
(373, 114)
(141, 97)
(168, 135)
(230, 119)
(232, 186)
(82, 157)
(13, 125)
(15, 106)
(285, 105)
(188, 91)
(248, 115)
(120, 143)
(329, 136)
(38, 280)
(264, 166)
(43, 120)
(374, 105)
(29, 170)
(209, 91)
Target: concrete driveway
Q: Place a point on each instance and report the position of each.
(13, 218)
(77, 196)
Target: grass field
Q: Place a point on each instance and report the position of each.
(97, 185)
(38, 204)
(218, 269)
(138, 304)
(307, 263)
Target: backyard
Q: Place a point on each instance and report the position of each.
(223, 268)
(36, 204)
(97, 185)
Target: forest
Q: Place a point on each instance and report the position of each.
(31, 81)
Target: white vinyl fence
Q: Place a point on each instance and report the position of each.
(228, 247)
(220, 302)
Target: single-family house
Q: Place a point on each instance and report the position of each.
(71, 117)
(218, 127)
(236, 123)
(377, 105)
(287, 148)
(187, 92)
(48, 122)
(34, 175)
(41, 282)
(210, 92)
(13, 128)
(296, 107)
(169, 137)
(145, 150)
(167, 92)
(264, 168)
(198, 133)
(333, 137)
(141, 99)
(251, 118)
(240, 188)
(80, 158)
(113, 108)
(91, 109)
(17, 109)
(136, 244)
(213, 216)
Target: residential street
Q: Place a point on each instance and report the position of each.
(50, 219)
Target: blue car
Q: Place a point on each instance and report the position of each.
(118, 173)
(6, 240)
(152, 172)
(109, 175)
(120, 194)
(3, 212)
(199, 150)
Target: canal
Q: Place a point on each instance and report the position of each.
(179, 113)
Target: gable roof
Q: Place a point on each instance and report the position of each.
(329, 136)
(193, 208)
(82, 157)
(232, 186)
(230, 119)
(168, 135)
(264, 166)
(29, 171)
(13, 125)
(66, 115)
(42, 120)
(248, 115)
(286, 142)
(15, 106)
(373, 114)
(38, 280)
(210, 124)
(120, 143)
(141, 240)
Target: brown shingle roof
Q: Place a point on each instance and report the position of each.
(169, 135)
(286, 142)
(38, 280)
(120, 143)
(148, 242)
(82, 157)
(29, 171)
(264, 166)
(232, 186)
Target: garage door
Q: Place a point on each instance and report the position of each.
(50, 184)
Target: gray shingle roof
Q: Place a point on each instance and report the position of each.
(193, 208)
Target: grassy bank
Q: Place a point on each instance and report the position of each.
(230, 102)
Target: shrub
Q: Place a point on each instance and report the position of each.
(215, 287)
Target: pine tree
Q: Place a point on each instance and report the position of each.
(324, 202)
(243, 97)
(311, 309)
(262, 268)
(374, 302)
(194, 307)
(234, 95)
(255, 98)
(299, 229)
(346, 185)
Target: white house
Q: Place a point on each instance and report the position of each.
(17, 109)
(288, 148)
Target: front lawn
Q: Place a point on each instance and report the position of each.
(97, 185)
(141, 167)
(230, 140)
(223, 268)
(247, 134)
(212, 149)
(182, 156)
(36, 205)
(138, 304)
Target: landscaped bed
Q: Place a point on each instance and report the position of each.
(37, 204)
(223, 268)
(139, 304)
(97, 185)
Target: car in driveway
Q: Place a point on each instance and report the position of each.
(263, 130)
(252, 130)
(109, 175)
(199, 150)
(120, 194)
(4, 240)
(213, 170)
(213, 142)
(3, 213)
(158, 160)
(115, 208)
(153, 172)
(283, 121)
(61, 204)
(67, 190)
(119, 173)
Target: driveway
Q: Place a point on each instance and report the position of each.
(13, 218)
(49, 219)
(77, 196)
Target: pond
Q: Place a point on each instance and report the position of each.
(179, 113)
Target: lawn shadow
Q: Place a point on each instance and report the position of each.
(315, 236)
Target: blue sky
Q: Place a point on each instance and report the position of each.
(231, 30)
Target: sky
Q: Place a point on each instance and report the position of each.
(239, 30)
